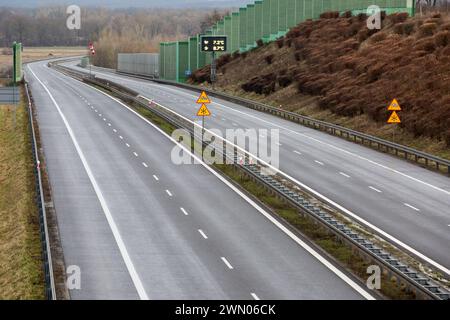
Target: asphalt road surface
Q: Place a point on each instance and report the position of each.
(140, 227)
(408, 204)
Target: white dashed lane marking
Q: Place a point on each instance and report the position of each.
(227, 263)
(203, 233)
(144, 164)
(375, 189)
(344, 174)
(318, 162)
(169, 193)
(255, 296)
(297, 152)
(155, 177)
(412, 207)
(184, 211)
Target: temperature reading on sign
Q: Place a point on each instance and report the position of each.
(214, 43)
(219, 45)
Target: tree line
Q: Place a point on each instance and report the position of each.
(47, 26)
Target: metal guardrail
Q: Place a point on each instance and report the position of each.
(44, 234)
(423, 286)
(429, 160)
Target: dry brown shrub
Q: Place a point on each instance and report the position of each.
(437, 21)
(427, 29)
(347, 14)
(280, 43)
(223, 60)
(269, 58)
(360, 73)
(398, 17)
(285, 80)
(261, 85)
(378, 37)
(289, 42)
(442, 39)
(404, 28)
(293, 33)
(426, 44)
(330, 15)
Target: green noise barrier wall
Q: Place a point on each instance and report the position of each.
(260, 19)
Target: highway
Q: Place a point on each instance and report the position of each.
(405, 203)
(140, 227)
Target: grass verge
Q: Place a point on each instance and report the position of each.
(21, 270)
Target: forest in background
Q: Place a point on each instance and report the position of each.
(47, 26)
(112, 30)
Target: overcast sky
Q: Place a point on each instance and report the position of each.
(127, 4)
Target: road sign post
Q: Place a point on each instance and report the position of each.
(213, 70)
(213, 44)
(203, 112)
(92, 54)
(394, 118)
(17, 74)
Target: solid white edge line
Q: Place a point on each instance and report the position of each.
(227, 263)
(122, 248)
(309, 249)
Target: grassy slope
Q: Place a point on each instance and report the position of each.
(344, 75)
(21, 275)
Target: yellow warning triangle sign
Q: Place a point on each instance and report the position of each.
(203, 111)
(394, 106)
(394, 118)
(203, 98)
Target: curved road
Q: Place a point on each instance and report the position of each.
(139, 226)
(411, 205)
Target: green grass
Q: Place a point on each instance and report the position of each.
(21, 269)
